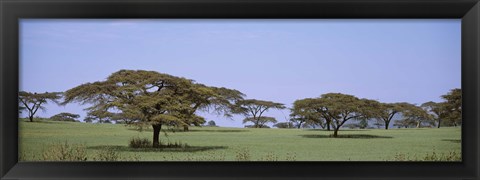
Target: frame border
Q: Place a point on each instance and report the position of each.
(13, 10)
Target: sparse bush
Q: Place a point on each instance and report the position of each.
(65, 152)
(449, 156)
(107, 154)
(269, 157)
(138, 142)
(243, 154)
(291, 157)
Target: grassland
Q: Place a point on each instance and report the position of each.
(227, 144)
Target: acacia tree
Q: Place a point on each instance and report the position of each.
(143, 97)
(415, 114)
(253, 110)
(342, 107)
(219, 100)
(385, 112)
(34, 101)
(65, 117)
(453, 107)
(437, 111)
(305, 111)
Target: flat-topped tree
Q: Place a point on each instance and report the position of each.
(385, 112)
(143, 97)
(342, 107)
(34, 101)
(253, 110)
(437, 110)
(413, 114)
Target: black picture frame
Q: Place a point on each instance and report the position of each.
(13, 10)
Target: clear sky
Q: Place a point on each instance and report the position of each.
(277, 60)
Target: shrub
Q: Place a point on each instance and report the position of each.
(65, 152)
(243, 154)
(449, 156)
(138, 142)
(106, 154)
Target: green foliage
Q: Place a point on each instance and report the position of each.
(453, 107)
(65, 117)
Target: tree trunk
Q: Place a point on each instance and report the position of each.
(156, 134)
(386, 124)
(438, 126)
(31, 118)
(335, 132)
(185, 128)
(328, 126)
(418, 124)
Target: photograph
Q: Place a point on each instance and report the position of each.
(236, 90)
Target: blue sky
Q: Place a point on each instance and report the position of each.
(277, 60)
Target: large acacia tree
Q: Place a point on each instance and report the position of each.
(34, 101)
(253, 110)
(143, 97)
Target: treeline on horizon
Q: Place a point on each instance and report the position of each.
(148, 98)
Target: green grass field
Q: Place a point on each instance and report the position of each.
(218, 143)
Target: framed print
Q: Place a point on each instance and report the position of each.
(239, 89)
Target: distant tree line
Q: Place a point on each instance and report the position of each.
(333, 110)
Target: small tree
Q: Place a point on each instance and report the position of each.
(253, 110)
(34, 101)
(65, 117)
(211, 123)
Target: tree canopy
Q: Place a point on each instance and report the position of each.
(149, 98)
(34, 101)
(253, 110)
(65, 117)
(453, 107)
(385, 112)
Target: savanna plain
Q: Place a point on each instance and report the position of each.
(41, 140)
